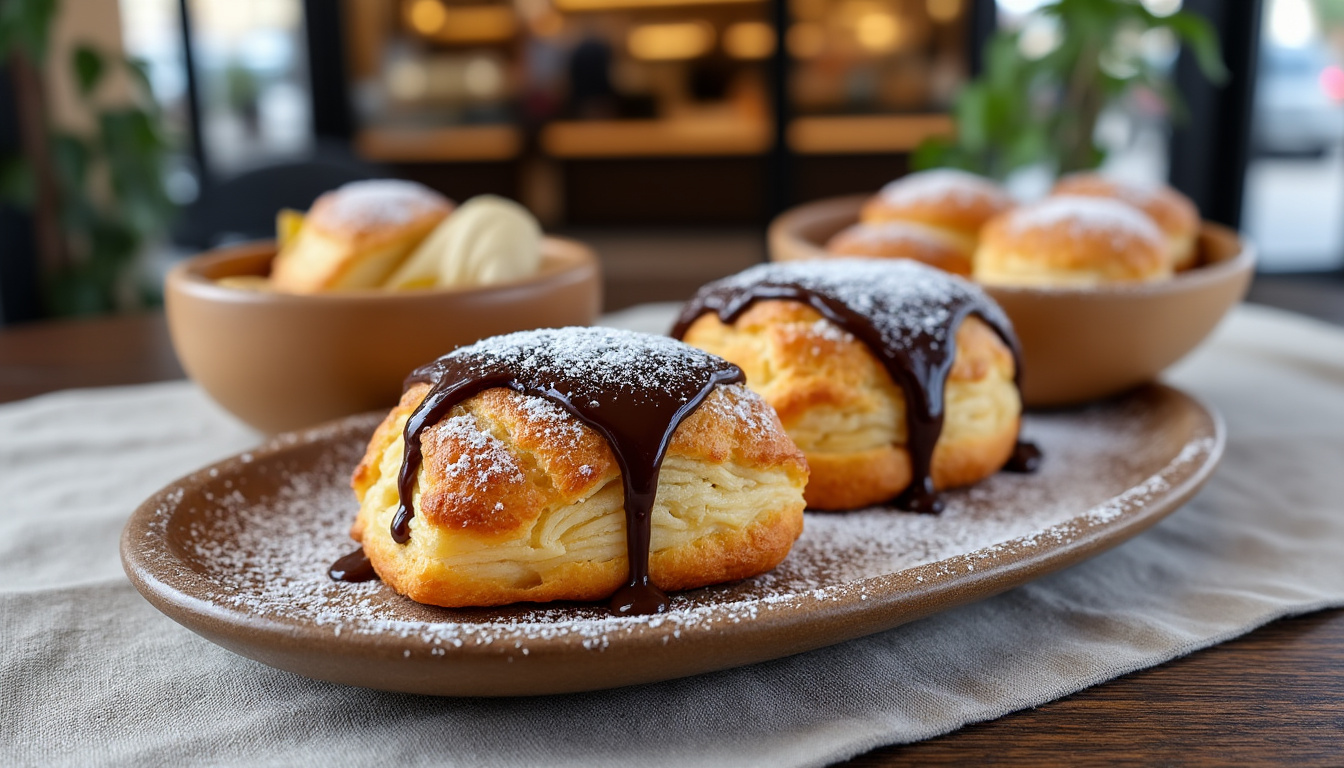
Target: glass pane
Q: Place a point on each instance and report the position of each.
(1295, 180)
(251, 62)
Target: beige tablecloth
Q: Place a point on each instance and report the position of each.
(91, 675)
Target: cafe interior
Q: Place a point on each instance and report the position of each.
(164, 164)
(665, 133)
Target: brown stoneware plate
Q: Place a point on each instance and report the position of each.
(238, 553)
(1078, 344)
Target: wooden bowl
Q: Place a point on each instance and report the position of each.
(282, 361)
(1078, 344)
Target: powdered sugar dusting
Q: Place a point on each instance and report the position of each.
(483, 459)
(588, 366)
(378, 202)
(1083, 215)
(909, 304)
(1138, 193)
(262, 540)
(889, 234)
(942, 185)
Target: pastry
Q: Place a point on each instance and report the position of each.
(487, 240)
(1072, 241)
(903, 240)
(955, 203)
(354, 237)
(1174, 213)
(524, 449)
(895, 379)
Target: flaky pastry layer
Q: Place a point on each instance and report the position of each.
(836, 400)
(343, 245)
(516, 500)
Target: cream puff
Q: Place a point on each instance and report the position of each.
(954, 203)
(355, 236)
(902, 240)
(895, 379)
(576, 464)
(1173, 213)
(1072, 241)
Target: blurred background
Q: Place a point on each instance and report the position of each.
(664, 132)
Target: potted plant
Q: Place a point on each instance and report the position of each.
(97, 195)
(1040, 107)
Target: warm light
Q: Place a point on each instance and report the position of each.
(806, 40)
(749, 40)
(944, 11)
(670, 42)
(478, 24)
(483, 77)
(547, 24)
(809, 10)
(611, 5)
(878, 31)
(426, 16)
(408, 80)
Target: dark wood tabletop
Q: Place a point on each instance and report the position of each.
(1274, 696)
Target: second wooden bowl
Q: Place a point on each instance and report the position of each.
(1078, 344)
(280, 361)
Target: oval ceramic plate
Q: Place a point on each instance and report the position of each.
(238, 553)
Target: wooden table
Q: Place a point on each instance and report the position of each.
(1274, 696)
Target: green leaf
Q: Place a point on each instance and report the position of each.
(1026, 148)
(138, 69)
(1196, 32)
(1003, 63)
(71, 157)
(17, 185)
(25, 28)
(89, 67)
(933, 152)
(972, 110)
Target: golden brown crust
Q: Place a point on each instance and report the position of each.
(903, 240)
(1069, 240)
(370, 213)
(954, 201)
(1174, 213)
(842, 408)
(518, 501)
(355, 236)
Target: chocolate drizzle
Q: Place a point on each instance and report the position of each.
(633, 389)
(1026, 458)
(904, 312)
(354, 567)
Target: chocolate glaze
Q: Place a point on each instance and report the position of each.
(904, 312)
(352, 567)
(1026, 458)
(633, 389)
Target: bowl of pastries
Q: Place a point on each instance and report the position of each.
(376, 278)
(1107, 283)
